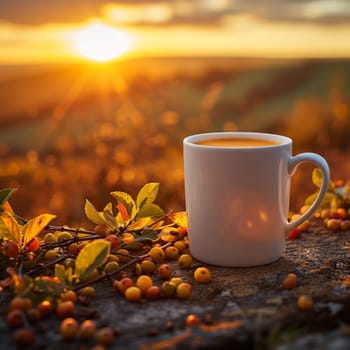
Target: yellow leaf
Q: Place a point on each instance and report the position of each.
(92, 256)
(179, 218)
(139, 224)
(168, 234)
(35, 226)
(12, 229)
(92, 214)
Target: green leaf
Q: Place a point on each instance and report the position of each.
(35, 226)
(147, 194)
(326, 199)
(125, 202)
(317, 179)
(91, 257)
(152, 210)
(92, 214)
(60, 272)
(9, 227)
(5, 194)
(69, 275)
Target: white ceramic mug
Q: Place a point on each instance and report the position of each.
(237, 198)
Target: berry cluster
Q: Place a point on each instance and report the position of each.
(147, 271)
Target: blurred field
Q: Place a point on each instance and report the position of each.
(70, 132)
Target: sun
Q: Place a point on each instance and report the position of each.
(101, 43)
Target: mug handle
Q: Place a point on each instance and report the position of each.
(319, 162)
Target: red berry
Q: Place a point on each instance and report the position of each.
(114, 241)
(45, 308)
(164, 271)
(15, 318)
(294, 234)
(33, 245)
(152, 293)
(24, 337)
(101, 230)
(124, 284)
(10, 249)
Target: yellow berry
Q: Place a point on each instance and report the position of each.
(157, 254)
(183, 290)
(202, 275)
(172, 253)
(51, 254)
(176, 280)
(148, 266)
(185, 261)
(62, 236)
(180, 246)
(50, 238)
(88, 291)
(133, 293)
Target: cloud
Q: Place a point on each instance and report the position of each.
(175, 12)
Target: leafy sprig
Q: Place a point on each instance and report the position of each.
(337, 195)
(134, 222)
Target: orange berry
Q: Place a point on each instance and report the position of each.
(65, 309)
(69, 295)
(87, 330)
(45, 308)
(305, 303)
(192, 320)
(69, 328)
(290, 281)
(144, 282)
(105, 336)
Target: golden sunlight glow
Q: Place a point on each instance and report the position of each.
(101, 43)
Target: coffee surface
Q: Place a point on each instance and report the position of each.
(237, 142)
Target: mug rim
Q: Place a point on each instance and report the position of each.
(192, 139)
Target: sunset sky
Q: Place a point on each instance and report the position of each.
(43, 31)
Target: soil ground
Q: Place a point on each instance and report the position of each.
(245, 308)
